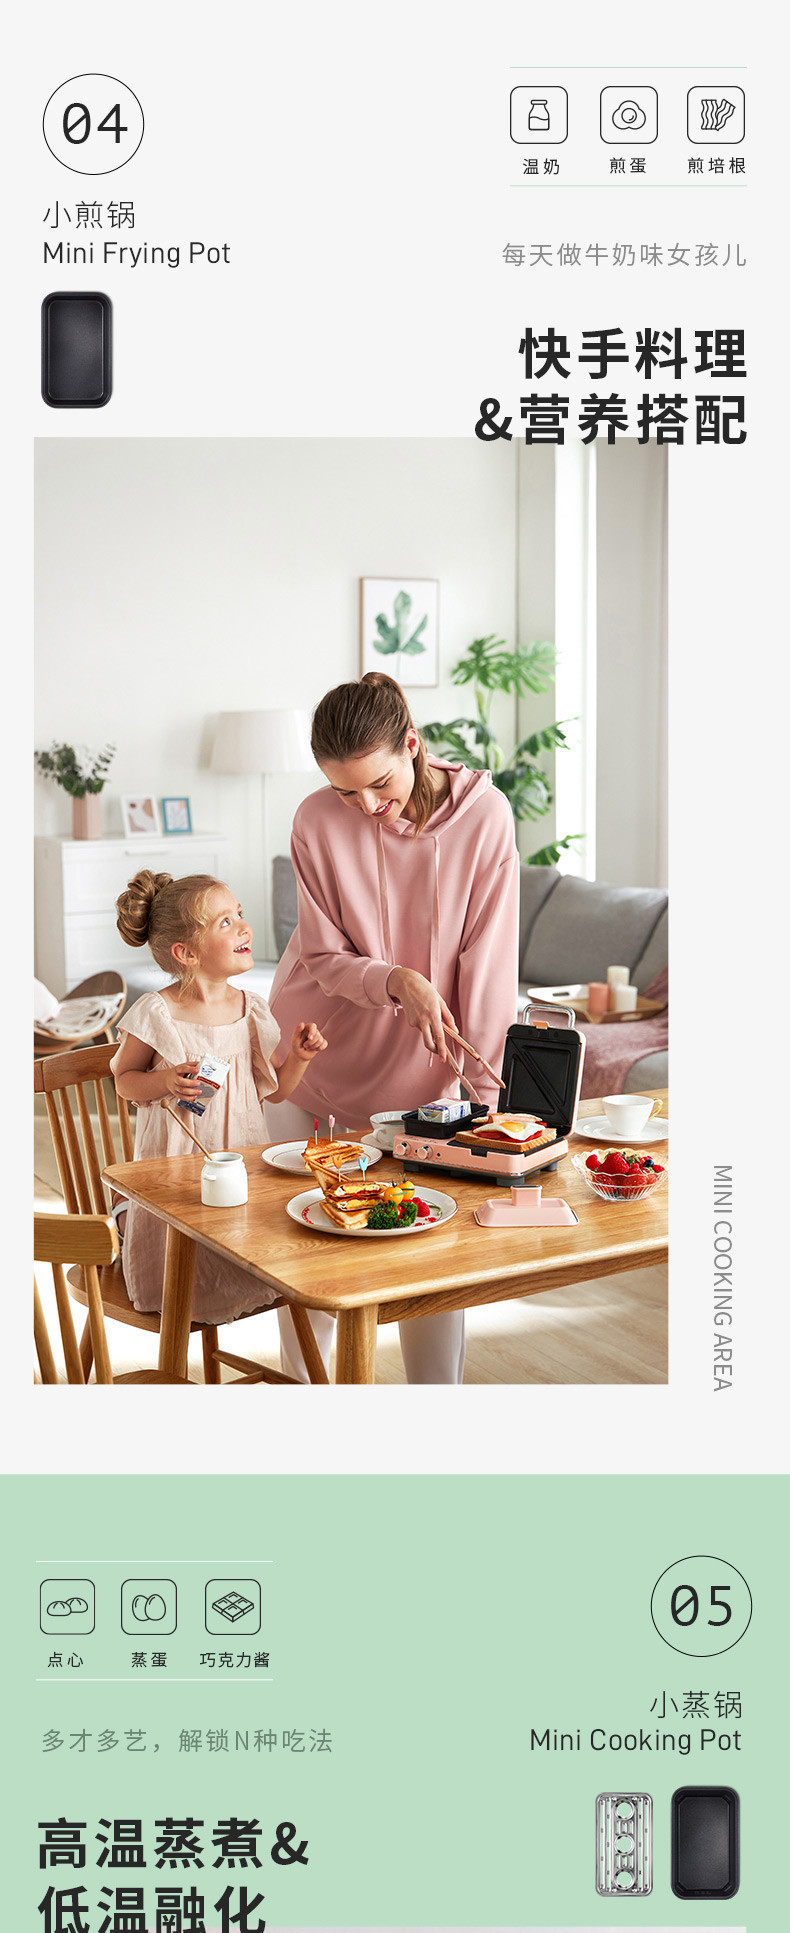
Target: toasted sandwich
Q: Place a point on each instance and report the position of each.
(509, 1133)
(350, 1207)
(331, 1154)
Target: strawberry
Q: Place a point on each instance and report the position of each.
(592, 1161)
(635, 1183)
(615, 1163)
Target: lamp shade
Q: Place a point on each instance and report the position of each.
(262, 741)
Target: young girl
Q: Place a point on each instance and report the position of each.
(195, 929)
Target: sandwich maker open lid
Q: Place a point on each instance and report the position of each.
(541, 1068)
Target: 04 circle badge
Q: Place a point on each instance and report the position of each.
(93, 124)
(701, 1606)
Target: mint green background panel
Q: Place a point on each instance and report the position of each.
(418, 1640)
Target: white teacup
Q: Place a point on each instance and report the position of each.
(385, 1127)
(629, 1113)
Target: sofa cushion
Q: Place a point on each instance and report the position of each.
(587, 926)
(652, 1071)
(535, 885)
(655, 956)
(284, 900)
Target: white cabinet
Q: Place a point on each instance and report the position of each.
(77, 884)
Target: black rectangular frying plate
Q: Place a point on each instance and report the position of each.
(76, 350)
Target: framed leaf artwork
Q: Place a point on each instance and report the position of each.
(399, 628)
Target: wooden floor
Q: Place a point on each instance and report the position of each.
(613, 1330)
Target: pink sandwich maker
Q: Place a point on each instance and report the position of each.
(542, 1071)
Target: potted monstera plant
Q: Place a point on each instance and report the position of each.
(83, 777)
(490, 666)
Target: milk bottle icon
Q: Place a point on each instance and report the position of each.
(538, 112)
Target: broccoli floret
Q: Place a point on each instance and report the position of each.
(383, 1215)
(408, 1213)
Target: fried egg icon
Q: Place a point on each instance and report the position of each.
(629, 117)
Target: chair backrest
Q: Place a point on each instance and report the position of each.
(81, 1076)
(99, 984)
(90, 1240)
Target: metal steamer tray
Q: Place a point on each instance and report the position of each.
(624, 1844)
(542, 1071)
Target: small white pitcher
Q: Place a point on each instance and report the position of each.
(223, 1181)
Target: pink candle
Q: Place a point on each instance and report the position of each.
(598, 996)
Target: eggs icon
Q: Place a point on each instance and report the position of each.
(148, 1610)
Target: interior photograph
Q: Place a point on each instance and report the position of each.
(351, 913)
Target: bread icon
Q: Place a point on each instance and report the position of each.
(63, 1607)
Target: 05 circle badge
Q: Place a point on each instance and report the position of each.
(701, 1606)
(93, 124)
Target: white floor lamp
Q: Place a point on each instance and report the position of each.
(263, 742)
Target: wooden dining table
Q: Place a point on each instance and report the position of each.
(455, 1265)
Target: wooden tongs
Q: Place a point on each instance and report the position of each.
(469, 1049)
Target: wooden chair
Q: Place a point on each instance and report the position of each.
(93, 1241)
(99, 983)
(66, 1080)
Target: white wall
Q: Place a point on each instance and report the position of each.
(177, 578)
(630, 647)
(632, 663)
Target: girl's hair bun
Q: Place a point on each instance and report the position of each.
(135, 904)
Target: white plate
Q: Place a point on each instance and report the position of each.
(576, 990)
(598, 1129)
(287, 1155)
(308, 1211)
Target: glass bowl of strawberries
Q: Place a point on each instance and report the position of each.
(620, 1174)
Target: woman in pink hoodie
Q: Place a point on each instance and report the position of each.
(408, 884)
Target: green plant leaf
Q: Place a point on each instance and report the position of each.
(490, 664)
(480, 661)
(527, 790)
(545, 740)
(62, 764)
(549, 855)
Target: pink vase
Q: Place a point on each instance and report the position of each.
(86, 816)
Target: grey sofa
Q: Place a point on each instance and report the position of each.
(571, 929)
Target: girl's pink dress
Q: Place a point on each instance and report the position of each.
(233, 1119)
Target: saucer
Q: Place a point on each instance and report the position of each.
(598, 1129)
